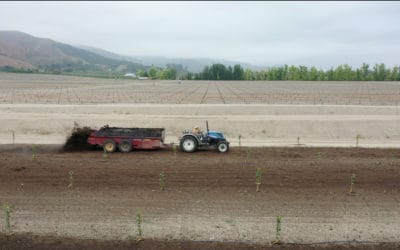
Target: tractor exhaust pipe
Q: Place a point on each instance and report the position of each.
(207, 126)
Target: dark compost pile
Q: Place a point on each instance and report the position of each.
(77, 141)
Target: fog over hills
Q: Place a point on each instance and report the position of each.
(191, 64)
(23, 51)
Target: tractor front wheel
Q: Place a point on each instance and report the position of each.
(222, 147)
(188, 144)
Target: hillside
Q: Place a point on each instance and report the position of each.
(19, 50)
(190, 64)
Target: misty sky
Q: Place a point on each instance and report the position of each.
(323, 34)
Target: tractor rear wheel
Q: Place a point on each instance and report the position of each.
(125, 146)
(188, 144)
(109, 146)
(222, 147)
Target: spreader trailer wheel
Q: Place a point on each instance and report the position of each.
(125, 146)
(109, 146)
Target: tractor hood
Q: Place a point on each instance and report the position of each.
(216, 134)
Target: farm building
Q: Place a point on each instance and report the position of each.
(133, 75)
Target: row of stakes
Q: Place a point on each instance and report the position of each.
(358, 137)
(139, 236)
(162, 176)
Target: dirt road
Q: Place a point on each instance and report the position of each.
(258, 124)
(208, 196)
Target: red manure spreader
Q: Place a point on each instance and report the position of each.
(127, 139)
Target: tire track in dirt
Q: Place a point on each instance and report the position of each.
(220, 94)
(239, 97)
(202, 101)
(189, 95)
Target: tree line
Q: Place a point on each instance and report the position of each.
(170, 72)
(378, 72)
(158, 73)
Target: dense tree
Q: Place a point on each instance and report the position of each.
(229, 73)
(167, 74)
(217, 72)
(344, 72)
(395, 75)
(377, 72)
(153, 72)
(313, 75)
(142, 73)
(364, 71)
(205, 75)
(248, 75)
(238, 72)
(293, 73)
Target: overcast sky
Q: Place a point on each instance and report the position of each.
(264, 33)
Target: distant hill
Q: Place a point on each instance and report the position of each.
(191, 64)
(22, 51)
(102, 52)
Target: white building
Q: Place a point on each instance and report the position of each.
(130, 75)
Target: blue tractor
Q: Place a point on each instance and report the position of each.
(191, 141)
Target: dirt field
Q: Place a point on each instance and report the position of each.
(209, 197)
(42, 109)
(210, 200)
(53, 89)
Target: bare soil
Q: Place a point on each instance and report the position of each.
(209, 201)
(58, 89)
(36, 242)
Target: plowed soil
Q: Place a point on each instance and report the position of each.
(209, 200)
